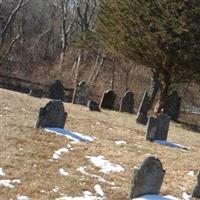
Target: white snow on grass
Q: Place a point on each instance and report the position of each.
(99, 190)
(10, 184)
(100, 179)
(57, 154)
(63, 172)
(22, 197)
(86, 196)
(170, 144)
(70, 135)
(191, 173)
(120, 142)
(186, 196)
(1, 172)
(156, 197)
(105, 165)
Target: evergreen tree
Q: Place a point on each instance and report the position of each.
(161, 34)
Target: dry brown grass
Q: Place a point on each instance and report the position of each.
(25, 151)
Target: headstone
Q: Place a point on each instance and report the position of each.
(36, 93)
(108, 100)
(173, 105)
(81, 93)
(127, 103)
(143, 109)
(56, 90)
(157, 128)
(196, 191)
(52, 115)
(93, 106)
(148, 178)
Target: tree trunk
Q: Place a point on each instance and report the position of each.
(163, 93)
(154, 86)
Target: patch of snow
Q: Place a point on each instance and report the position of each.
(63, 172)
(105, 165)
(57, 154)
(191, 173)
(156, 197)
(56, 189)
(99, 190)
(120, 142)
(70, 135)
(9, 183)
(1, 172)
(87, 196)
(170, 144)
(43, 191)
(100, 179)
(185, 196)
(22, 197)
(16, 181)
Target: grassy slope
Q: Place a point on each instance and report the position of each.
(25, 151)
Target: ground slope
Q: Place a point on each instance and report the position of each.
(27, 153)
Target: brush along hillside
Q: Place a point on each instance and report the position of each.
(42, 165)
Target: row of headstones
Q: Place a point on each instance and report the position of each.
(81, 96)
(81, 93)
(148, 178)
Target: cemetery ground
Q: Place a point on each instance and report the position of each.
(27, 160)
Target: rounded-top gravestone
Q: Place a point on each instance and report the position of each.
(173, 105)
(56, 90)
(127, 103)
(52, 115)
(81, 93)
(108, 100)
(148, 178)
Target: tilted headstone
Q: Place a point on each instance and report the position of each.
(127, 103)
(196, 191)
(36, 93)
(56, 91)
(93, 106)
(157, 128)
(52, 115)
(108, 100)
(81, 93)
(173, 105)
(148, 178)
(143, 109)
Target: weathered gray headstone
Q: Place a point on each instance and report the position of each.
(196, 191)
(56, 90)
(93, 106)
(148, 178)
(143, 109)
(52, 115)
(108, 99)
(36, 93)
(157, 128)
(173, 105)
(81, 93)
(127, 103)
